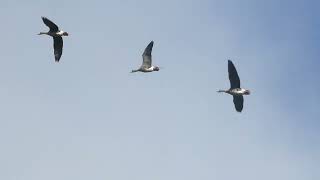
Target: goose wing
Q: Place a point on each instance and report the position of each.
(146, 56)
(238, 102)
(57, 46)
(53, 27)
(233, 76)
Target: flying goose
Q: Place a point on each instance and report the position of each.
(57, 37)
(235, 89)
(147, 61)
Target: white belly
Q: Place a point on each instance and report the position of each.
(60, 33)
(150, 69)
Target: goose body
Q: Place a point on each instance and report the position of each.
(235, 90)
(57, 37)
(147, 61)
(145, 70)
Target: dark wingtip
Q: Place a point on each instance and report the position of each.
(148, 49)
(229, 61)
(151, 43)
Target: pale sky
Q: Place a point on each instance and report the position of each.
(88, 118)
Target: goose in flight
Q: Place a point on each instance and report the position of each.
(235, 89)
(57, 37)
(147, 61)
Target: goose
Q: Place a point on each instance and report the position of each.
(147, 61)
(57, 37)
(235, 90)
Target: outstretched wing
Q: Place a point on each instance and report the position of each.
(146, 56)
(238, 102)
(57, 46)
(53, 27)
(233, 76)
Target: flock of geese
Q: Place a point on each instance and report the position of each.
(235, 90)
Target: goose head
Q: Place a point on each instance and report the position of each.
(156, 68)
(246, 92)
(65, 34)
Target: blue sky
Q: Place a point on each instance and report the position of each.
(87, 117)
